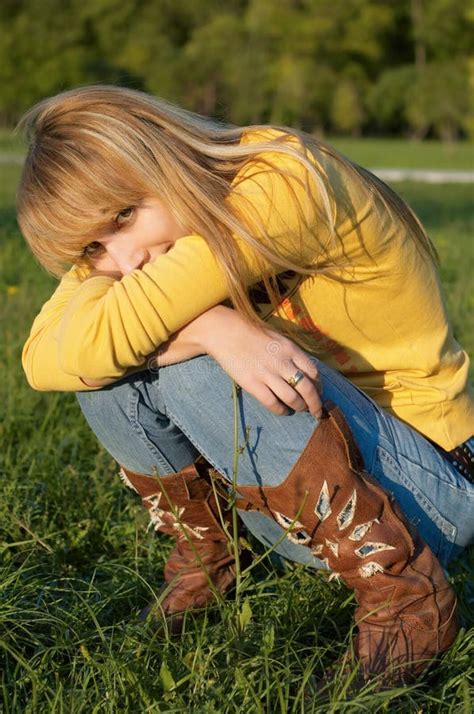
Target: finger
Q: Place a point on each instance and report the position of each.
(269, 400)
(307, 364)
(310, 394)
(286, 394)
(309, 390)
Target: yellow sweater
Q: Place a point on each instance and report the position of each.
(384, 326)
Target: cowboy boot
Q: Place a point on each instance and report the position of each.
(188, 507)
(406, 611)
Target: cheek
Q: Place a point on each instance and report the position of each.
(163, 228)
(162, 231)
(103, 261)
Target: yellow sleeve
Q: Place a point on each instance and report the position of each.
(109, 326)
(40, 355)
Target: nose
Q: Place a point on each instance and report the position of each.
(128, 258)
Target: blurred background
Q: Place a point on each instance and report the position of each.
(350, 67)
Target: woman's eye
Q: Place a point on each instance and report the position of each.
(123, 216)
(91, 248)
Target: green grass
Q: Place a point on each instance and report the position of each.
(10, 141)
(400, 153)
(77, 563)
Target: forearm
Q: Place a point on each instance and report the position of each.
(112, 325)
(194, 338)
(188, 342)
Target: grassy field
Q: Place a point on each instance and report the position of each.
(77, 563)
(400, 153)
(10, 141)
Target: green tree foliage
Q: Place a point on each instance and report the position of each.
(347, 113)
(438, 100)
(349, 66)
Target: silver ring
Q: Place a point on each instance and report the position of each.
(297, 377)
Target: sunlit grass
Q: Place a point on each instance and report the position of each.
(11, 141)
(400, 153)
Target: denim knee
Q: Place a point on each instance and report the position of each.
(128, 419)
(201, 400)
(107, 408)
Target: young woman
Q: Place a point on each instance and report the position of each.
(203, 256)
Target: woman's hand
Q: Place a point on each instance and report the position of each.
(260, 360)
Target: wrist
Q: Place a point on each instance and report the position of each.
(202, 331)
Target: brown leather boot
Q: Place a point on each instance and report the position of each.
(186, 505)
(407, 609)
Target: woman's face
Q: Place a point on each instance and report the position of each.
(138, 235)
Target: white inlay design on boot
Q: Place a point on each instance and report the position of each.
(333, 547)
(335, 576)
(371, 548)
(323, 507)
(196, 531)
(296, 533)
(285, 521)
(359, 531)
(157, 520)
(346, 516)
(299, 537)
(317, 550)
(156, 513)
(126, 480)
(370, 569)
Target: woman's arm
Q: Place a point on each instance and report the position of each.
(40, 354)
(110, 326)
(183, 345)
(259, 360)
(104, 328)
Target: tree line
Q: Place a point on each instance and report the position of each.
(329, 66)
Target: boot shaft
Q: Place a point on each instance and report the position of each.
(407, 609)
(187, 504)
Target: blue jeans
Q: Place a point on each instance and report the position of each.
(163, 420)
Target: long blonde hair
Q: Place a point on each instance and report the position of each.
(95, 150)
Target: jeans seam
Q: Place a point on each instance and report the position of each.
(458, 488)
(445, 526)
(340, 386)
(186, 433)
(132, 412)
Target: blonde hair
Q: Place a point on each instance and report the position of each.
(95, 150)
